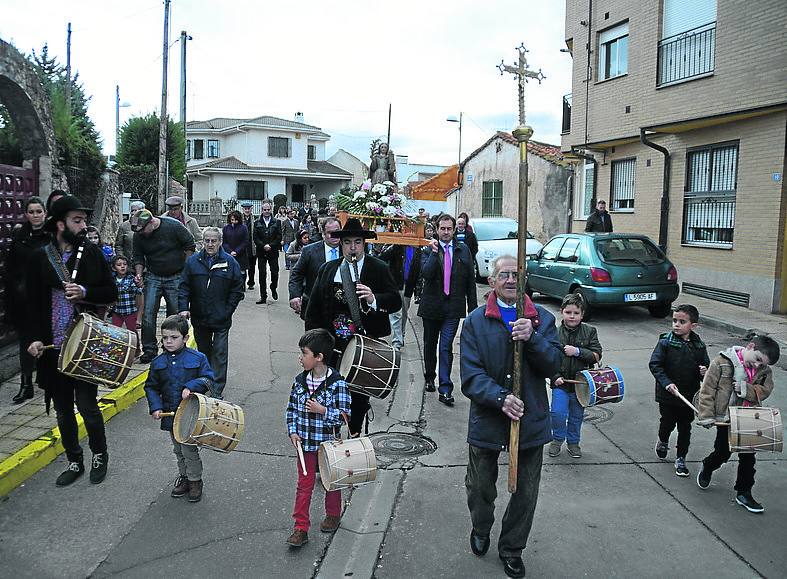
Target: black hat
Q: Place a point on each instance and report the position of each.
(353, 228)
(60, 209)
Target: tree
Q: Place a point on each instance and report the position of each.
(139, 141)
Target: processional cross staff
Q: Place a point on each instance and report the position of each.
(522, 133)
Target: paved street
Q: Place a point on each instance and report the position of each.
(617, 512)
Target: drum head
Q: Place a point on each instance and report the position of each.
(583, 389)
(186, 418)
(348, 358)
(73, 340)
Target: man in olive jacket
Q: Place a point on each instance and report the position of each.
(487, 347)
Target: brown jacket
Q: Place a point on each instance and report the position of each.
(718, 387)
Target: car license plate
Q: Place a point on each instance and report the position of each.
(644, 297)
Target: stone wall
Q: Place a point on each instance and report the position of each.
(107, 210)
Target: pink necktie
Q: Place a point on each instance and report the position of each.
(447, 271)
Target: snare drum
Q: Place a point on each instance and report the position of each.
(346, 463)
(600, 386)
(97, 352)
(755, 428)
(210, 422)
(370, 366)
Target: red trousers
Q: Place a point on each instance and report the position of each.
(303, 494)
(130, 321)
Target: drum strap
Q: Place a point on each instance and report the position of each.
(348, 285)
(56, 261)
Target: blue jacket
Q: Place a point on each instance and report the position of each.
(169, 374)
(211, 294)
(486, 364)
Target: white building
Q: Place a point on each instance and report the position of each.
(261, 158)
(349, 162)
(409, 173)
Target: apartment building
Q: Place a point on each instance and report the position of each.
(678, 119)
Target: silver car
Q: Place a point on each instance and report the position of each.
(498, 236)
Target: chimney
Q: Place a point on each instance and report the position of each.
(299, 117)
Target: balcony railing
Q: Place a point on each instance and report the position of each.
(688, 54)
(566, 114)
(708, 221)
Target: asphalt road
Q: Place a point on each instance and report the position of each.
(618, 511)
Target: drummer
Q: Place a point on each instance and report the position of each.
(60, 285)
(353, 295)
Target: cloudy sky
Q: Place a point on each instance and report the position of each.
(340, 62)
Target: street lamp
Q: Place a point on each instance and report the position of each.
(118, 104)
(453, 119)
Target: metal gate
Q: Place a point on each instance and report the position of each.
(17, 185)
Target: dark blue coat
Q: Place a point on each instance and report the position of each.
(211, 294)
(169, 374)
(487, 361)
(677, 361)
(435, 305)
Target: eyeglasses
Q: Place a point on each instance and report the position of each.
(506, 275)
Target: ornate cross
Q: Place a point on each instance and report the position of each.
(522, 72)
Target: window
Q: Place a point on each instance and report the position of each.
(213, 148)
(188, 149)
(569, 250)
(199, 149)
(633, 250)
(613, 51)
(552, 248)
(622, 190)
(586, 193)
(278, 147)
(311, 153)
(252, 190)
(710, 195)
(687, 48)
(492, 199)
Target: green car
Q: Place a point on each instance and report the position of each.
(607, 269)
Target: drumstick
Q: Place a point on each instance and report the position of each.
(299, 448)
(689, 404)
(566, 381)
(163, 414)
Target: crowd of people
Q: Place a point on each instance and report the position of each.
(342, 284)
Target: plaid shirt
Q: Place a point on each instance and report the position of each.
(127, 292)
(316, 428)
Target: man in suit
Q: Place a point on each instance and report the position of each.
(334, 307)
(267, 239)
(304, 273)
(289, 229)
(248, 221)
(449, 293)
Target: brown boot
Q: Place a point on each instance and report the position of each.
(195, 491)
(298, 538)
(329, 524)
(181, 487)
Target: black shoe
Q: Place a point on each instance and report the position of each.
(72, 473)
(747, 501)
(274, 293)
(429, 386)
(25, 389)
(479, 544)
(513, 566)
(146, 358)
(446, 399)
(262, 300)
(661, 449)
(98, 470)
(680, 467)
(703, 478)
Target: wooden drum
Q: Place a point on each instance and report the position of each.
(755, 428)
(210, 422)
(370, 366)
(599, 386)
(346, 463)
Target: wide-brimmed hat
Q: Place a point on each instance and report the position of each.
(353, 228)
(60, 209)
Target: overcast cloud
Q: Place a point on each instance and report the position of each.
(340, 63)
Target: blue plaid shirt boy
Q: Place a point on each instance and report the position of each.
(316, 428)
(127, 292)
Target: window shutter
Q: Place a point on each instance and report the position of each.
(683, 15)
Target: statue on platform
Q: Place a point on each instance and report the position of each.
(383, 165)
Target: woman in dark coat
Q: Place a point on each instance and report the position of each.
(27, 239)
(235, 237)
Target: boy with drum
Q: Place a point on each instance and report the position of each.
(173, 376)
(739, 376)
(678, 363)
(581, 349)
(318, 399)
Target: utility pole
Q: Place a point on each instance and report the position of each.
(388, 138)
(162, 136)
(68, 67)
(522, 133)
(183, 39)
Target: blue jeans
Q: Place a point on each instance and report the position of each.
(156, 287)
(566, 410)
(443, 331)
(215, 345)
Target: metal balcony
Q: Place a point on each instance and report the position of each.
(687, 55)
(566, 128)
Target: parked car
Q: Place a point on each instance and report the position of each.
(498, 236)
(608, 269)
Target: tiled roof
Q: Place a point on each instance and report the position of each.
(231, 163)
(546, 151)
(265, 120)
(223, 163)
(436, 187)
(326, 167)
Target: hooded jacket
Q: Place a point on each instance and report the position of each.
(677, 361)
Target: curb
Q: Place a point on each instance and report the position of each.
(28, 460)
(732, 328)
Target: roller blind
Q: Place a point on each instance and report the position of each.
(683, 15)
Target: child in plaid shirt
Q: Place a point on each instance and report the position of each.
(318, 399)
(125, 309)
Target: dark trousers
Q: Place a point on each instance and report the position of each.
(672, 416)
(215, 345)
(359, 406)
(480, 483)
(721, 454)
(251, 273)
(156, 287)
(65, 392)
(272, 259)
(444, 332)
(27, 363)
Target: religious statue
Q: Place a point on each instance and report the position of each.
(383, 165)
